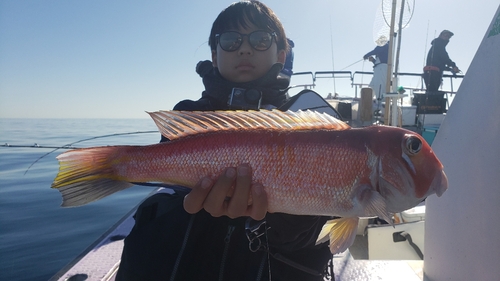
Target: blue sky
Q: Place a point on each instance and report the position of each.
(118, 59)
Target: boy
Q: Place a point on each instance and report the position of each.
(212, 233)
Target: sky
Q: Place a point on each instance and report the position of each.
(120, 58)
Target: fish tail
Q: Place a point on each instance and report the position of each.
(86, 175)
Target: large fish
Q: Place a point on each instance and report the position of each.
(309, 164)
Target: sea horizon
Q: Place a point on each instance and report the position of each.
(37, 236)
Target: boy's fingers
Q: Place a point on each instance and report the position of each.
(258, 209)
(216, 202)
(216, 199)
(193, 202)
(238, 203)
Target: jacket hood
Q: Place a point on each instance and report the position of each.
(439, 42)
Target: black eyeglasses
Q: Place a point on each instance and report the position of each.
(231, 41)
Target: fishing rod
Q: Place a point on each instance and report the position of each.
(36, 145)
(70, 145)
(351, 64)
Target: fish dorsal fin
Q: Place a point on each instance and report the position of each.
(178, 124)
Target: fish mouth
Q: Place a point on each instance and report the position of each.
(439, 183)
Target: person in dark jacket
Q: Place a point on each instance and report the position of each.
(205, 234)
(438, 61)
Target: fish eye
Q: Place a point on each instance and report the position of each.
(413, 144)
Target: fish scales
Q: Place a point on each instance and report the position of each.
(294, 167)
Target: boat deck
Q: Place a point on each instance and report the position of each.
(101, 260)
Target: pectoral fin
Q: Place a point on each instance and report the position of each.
(341, 233)
(374, 204)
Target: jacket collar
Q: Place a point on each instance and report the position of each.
(272, 87)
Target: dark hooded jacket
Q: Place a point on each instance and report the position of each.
(168, 243)
(438, 56)
(218, 89)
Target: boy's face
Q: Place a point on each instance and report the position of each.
(246, 64)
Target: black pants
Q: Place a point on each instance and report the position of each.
(432, 80)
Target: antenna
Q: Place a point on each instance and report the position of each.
(333, 60)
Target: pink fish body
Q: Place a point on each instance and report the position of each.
(308, 163)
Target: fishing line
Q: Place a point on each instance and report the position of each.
(196, 51)
(70, 145)
(424, 62)
(351, 64)
(362, 70)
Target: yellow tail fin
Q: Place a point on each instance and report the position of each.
(86, 175)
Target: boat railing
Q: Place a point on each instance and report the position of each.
(333, 74)
(358, 83)
(307, 85)
(449, 77)
(314, 76)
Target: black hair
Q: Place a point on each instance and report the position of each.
(246, 13)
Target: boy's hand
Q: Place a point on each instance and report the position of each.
(220, 199)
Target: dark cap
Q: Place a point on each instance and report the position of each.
(446, 32)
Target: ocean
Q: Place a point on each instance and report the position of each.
(37, 236)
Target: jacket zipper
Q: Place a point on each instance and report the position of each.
(183, 247)
(261, 268)
(226, 249)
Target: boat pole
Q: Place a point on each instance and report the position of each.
(388, 82)
(396, 116)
